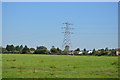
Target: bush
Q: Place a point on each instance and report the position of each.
(41, 51)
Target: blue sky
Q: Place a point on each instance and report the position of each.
(39, 23)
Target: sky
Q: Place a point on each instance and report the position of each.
(60, 0)
(40, 24)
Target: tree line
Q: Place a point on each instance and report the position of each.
(11, 49)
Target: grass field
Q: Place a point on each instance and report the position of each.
(59, 66)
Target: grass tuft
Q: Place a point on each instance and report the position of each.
(51, 73)
(12, 67)
(52, 66)
(115, 63)
(42, 61)
(74, 67)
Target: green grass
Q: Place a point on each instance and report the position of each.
(58, 66)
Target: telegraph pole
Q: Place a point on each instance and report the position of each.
(67, 36)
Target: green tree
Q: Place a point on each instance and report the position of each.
(84, 49)
(77, 49)
(25, 50)
(59, 51)
(102, 50)
(21, 48)
(41, 50)
(95, 53)
(17, 48)
(4, 50)
(113, 52)
(1, 49)
(32, 49)
(10, 48)
(106, 49)
(53, 51)
(94, 50)
(41, 47)
(66, 52)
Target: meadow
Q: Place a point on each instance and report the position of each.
(58, 66)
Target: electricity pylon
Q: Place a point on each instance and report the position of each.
(67, 36)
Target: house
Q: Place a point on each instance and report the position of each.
(90, 52)
(118, 51)
(80, 52)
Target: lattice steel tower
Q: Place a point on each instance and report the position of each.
(67, 36)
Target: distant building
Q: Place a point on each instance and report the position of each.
(90, 52)
(80, 52)
(118, 51)
(32, 52)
